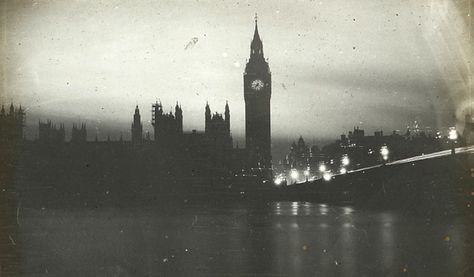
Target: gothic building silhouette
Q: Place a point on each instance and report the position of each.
(217, 128)
(137, 127)
(12, 123)
(49, 133)
(168, 127)
(257, 94)
(79, 135)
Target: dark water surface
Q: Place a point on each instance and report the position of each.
(244, 239)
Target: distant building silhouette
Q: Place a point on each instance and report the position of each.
(168, 127)
(364, 150)
(12, 123)
(302, 157)
(215, 141)
(79, 135)
(299, 154)
(137, 127)
(48, 133)
(217, 125)
(217, 128)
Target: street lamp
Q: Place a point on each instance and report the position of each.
(306, 174)
(327, 176)
(322, 168)
(294, 174)
(345, 160)
(343, 171)
(453, 136)
(278, 181)
(384, 152)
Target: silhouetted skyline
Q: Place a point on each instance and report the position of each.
(377, 65)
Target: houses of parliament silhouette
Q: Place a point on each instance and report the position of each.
(173, 156)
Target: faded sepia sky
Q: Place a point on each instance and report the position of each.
(335, 64)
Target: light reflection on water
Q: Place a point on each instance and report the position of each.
(280, 238)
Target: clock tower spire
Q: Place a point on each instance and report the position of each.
(257, 94)
(256, 47)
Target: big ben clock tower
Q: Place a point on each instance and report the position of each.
(257, 93)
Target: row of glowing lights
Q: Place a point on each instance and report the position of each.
(345, 161)
(294, 174)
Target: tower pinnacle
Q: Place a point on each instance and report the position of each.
(256, 47)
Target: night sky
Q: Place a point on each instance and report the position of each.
(335, 64)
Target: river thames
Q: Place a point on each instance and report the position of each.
(244, 239)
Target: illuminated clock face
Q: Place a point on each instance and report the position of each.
(257, 85)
